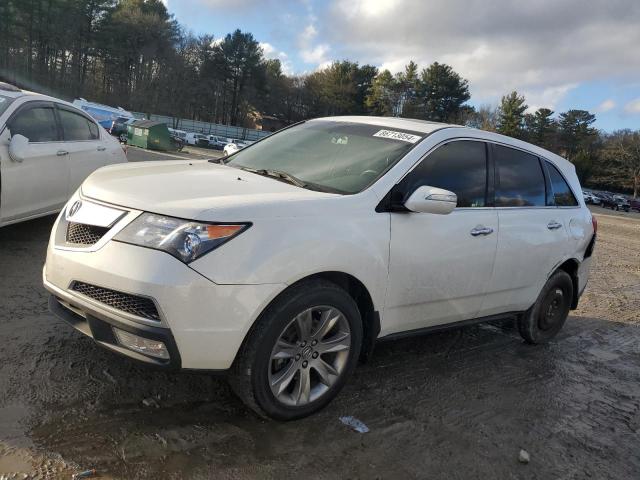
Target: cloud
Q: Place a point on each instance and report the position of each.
(606, 106)
(633, 106)
(272, 52)
(543, 49)
(310, 52)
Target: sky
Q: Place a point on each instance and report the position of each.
(560, 54)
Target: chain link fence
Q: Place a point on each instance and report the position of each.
(207, 128)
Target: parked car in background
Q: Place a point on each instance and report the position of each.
(119, 126)
(47, 148)
(103, 114)
(234, 145)
(634, 204)
(192, 138)
(590, 198)
(283, 265)
(614, 202)
(230, 149)
(177, 133)
(217, 142)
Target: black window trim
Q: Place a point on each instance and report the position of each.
(548, 179)
(542, 170)
(29, 105)
(385, 205)
(61, 106)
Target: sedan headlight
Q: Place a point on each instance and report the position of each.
(184, 239)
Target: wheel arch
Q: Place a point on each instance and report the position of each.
(570, 266)
(361, 295)
(356, 289)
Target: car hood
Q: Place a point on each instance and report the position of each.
(195, 190)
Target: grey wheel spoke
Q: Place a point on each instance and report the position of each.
(303, 324)
(327, 373)
(284, 377)
(300, 348)
(284, 350)
(303, 388)
(337, 343)
(328, 319)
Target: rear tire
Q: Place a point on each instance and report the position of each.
(546, 317)
(286, 370)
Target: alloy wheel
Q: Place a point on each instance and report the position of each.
(309, 356)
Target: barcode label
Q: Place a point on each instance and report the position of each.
(392, 134)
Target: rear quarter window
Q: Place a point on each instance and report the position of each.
(562, 194)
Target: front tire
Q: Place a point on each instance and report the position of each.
(300, 353)
(546, 317)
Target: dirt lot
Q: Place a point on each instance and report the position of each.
(453, 405)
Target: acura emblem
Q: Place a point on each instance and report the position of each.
(75, 207)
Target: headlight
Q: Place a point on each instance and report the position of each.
(184, 239)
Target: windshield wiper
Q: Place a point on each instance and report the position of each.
(278, 174)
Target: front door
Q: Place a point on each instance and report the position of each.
(440, 265)
(39, 183)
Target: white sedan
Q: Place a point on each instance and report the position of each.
(47, 148)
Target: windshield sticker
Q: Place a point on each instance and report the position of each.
(392, 134)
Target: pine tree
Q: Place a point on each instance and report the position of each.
(541, 128)
(511, 115)
(442, 93)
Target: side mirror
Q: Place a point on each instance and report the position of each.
(18, 147)
(432, 200)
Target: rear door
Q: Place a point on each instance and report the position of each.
(86, 150)
(533, 235)
(440, 265)
(39, 183)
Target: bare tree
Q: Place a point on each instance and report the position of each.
(628, 151)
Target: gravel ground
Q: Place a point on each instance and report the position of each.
(460, 404)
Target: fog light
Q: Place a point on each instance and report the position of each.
(152, 348)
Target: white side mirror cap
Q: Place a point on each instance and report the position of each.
(18, 147)
(432, 200)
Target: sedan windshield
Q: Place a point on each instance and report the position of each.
(341, 157)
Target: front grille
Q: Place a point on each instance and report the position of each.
(132, 304)
(81, 234)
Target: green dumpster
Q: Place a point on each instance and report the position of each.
(151, 135)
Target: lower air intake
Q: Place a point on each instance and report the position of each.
(139, 306)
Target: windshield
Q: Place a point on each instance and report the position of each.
(339, 156)
(4, 103)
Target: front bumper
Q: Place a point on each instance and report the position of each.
(98, 326)
(203, 324)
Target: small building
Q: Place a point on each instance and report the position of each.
(151, 135)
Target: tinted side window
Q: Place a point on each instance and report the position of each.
(562, 194)
(77, 127)
(519, 178)
(460, 167)
(37, 124)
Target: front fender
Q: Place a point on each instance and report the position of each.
(285, 250)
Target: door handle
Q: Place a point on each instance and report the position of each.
(62, 153)
(480, 230)
(102, 148)
(553, 225)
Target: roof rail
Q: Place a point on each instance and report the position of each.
(8, 87)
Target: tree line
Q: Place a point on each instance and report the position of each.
(134, 54)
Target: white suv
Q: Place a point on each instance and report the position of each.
(284, 265)
(47, 148)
